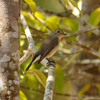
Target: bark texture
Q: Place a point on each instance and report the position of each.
(9, 49)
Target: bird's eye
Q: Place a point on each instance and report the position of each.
(58, 31)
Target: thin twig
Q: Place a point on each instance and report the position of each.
(38, 31)
(88, 75)
(87, 61)
(96, 53)
(25, 56)
(63, 94)
(64, 6)
(32, 90)
(42, 23)
(89, 66)
(47, 12)
(82, 31)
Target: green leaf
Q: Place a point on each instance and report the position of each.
(22, 40)
(22, 96)
(32, 5)
(39, 15)
(99, 49)
(72, 39)
(30, 19)
(70, 23)
(39, 75)
(70, 60)
(52, 22)
(98, 87)
(94, 18)
(75, 5)
(66, 2)
(84, 89)
(59, 78)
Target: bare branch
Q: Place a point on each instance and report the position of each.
(25, 56)
(34, 29)
(30, 40)
(89, 66)
(42, 23)
(32, 90)
(31, 46)
(64, 50)
(63, 95)
(88, 75)
(96, 53)
(47, 12)
(63, 5)
(83, 31)
(50, 83)
(87, 61)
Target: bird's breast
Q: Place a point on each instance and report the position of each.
(52, 52)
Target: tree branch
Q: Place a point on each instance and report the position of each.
(63, 95)
(50, 83)
(84, 31)
(87, 61)
(32, 90)
(47, 12)
(25, 56)
(64, 6)
(51, 70)
(42, 23)
(88, 75)
(96, 53)
(34, 29)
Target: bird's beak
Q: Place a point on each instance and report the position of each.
(64, 34)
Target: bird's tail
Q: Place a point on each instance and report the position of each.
(30, 64)
(33, 60)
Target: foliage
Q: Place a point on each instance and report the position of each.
(41, 23)
(94, 18)
(40, 76)
(22, 96)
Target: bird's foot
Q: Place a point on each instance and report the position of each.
(51, 62)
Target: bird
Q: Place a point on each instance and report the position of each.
(48, 47)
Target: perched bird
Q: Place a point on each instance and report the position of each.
(48, 47)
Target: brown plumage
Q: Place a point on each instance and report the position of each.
(48, 47)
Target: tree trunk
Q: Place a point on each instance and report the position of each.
(9, 49)
(82, 80)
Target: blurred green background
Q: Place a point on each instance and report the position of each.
(43, 16)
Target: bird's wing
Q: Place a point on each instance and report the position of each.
(49, 43)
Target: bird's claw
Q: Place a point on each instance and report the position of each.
(50, 62)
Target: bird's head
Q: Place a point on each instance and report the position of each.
(58, 32)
